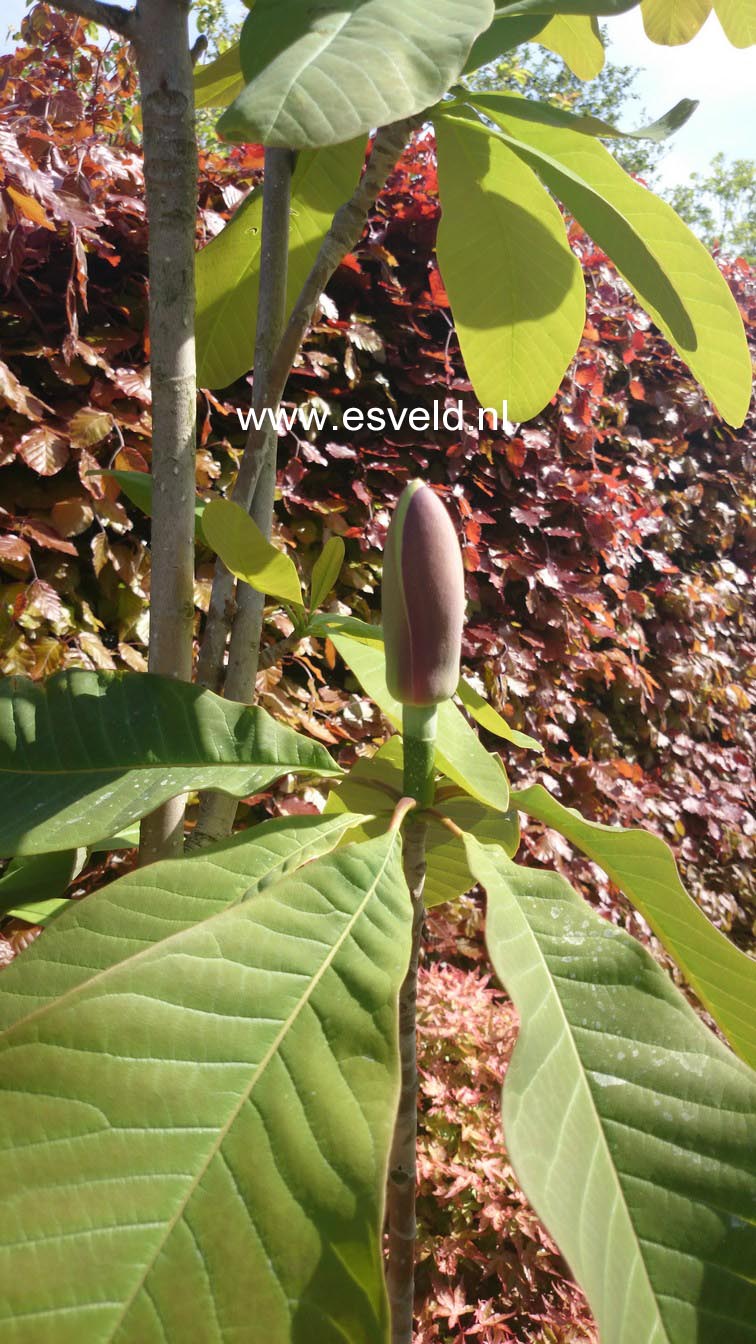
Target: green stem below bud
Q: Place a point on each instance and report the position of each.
(419, 727)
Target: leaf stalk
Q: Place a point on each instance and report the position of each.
(420, 727)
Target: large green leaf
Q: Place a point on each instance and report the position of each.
(669, 270)
(459, 752)
(631, 1128)
(246, 552)
(146, 907)
(576, 38)
(548, 114)
(28, 881)
(228, 268)
(86, 753)
(318, 73)
(738, 18)
(598, 7)
(217, 83)
(643, 867)
(673, 22)
(502, 36)
(198, 1109)
(516, 288)
(374, 784)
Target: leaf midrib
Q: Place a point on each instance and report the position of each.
(145, 952)
(244, 1097)
(738, 963)
(583, 1072)
(117, 770)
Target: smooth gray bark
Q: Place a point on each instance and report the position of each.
(170, 165)
(159, 32)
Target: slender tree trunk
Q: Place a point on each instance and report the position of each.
(159, 32)
(255, 485)
(170, 164)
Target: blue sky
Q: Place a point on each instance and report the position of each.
(708, 69)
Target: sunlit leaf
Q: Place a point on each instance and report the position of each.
(515, 287)
(247, 553)
(318, 75)
(643, 867)
(27, 881)
(39, 912)
(576, 38)
(669, 269)
(672, 22)
(489, 719)
(228, 267)
(218, 82)
(206, 1080)
(629, 1125)
(738, 18)
(326, 571)
(548, 114)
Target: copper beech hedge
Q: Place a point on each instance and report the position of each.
(608, 549)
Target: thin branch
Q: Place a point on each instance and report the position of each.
(344, 233)
(123, 21)
(217, 810)
(198, 50)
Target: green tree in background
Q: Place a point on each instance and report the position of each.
(216, 24)
(720, 204)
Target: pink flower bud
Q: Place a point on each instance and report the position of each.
(423, 599)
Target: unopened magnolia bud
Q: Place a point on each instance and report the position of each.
(423, 599)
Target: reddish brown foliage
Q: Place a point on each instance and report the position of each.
(488, 1273)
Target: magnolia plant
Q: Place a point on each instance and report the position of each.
(208, 1066)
